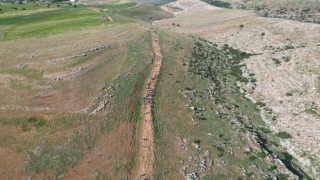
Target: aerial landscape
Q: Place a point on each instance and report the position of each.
(159, 89)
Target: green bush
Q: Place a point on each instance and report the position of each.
(272, 168)
(261, 154)
(41, 122)
(284, 135)
(265, 130)
(276, 61)
(197, 141)
(32, 120)
(37, 122)
(261, 104)
(252, 158)
(281, 177)
(289, 94)
(288, 47)
(218, 3)
(220, 151)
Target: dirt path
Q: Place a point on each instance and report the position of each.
(146, 153)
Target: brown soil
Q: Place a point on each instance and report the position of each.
(11, 168)
(146, 153)
(110, 158)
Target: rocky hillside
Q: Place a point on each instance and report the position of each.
(298, 10)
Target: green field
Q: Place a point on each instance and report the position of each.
(39, 20)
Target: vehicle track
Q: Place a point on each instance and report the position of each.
(146, 141)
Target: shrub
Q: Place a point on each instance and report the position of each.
(281, 177)
(197, 141)
(272, 168)
(32, 120)
(74, 6)
(265, 130)
(253, 80)
(37, 122)
(284, 135)
(263, 34)
(262, 104)
(41, 122)
(288, 47)
(287, 58)
(219, 3)
(276, 61)
(252, 158)
(261, 154)
(220, 151)
(241, 26)
(23, 9)
(289, 94)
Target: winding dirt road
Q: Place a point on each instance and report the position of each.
(146, 141)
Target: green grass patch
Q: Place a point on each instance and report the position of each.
(26, 72)
(48, 22)
(110, 6)
(144, 13)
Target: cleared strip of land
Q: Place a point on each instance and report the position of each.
(146, 153)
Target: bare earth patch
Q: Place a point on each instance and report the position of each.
(146, 151)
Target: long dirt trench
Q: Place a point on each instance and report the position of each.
(146, 141)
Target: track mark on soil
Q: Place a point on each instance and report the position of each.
(146, 141)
